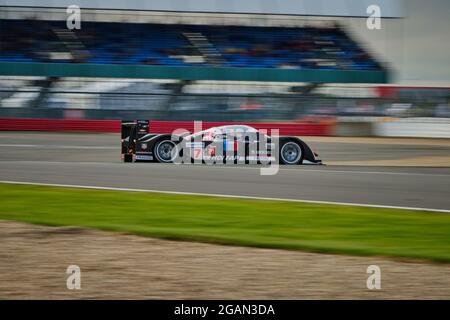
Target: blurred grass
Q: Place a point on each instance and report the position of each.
(272, 224)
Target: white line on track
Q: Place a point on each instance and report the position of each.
(301, 168)
(297, 169)
(222, 196)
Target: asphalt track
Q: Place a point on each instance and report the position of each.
(93, 160)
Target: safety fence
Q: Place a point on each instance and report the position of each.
(324, 128)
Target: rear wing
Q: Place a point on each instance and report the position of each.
(131, 131)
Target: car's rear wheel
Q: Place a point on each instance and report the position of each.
(165, 151)
(127, 158)
(291, 153)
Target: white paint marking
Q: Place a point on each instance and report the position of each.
(298, 169)
(222, 196)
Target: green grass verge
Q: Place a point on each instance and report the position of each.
(273, 224)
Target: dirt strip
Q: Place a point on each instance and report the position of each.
(375, 151)
(382, 140)
(33, 262)
(426, 161)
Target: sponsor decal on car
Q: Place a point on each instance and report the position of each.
(143, 157)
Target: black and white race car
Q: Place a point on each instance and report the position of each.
(218, 145)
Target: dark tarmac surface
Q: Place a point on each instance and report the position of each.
(94, 160)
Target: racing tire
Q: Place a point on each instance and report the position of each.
(291, 152)
(127, 158)
(163, 151)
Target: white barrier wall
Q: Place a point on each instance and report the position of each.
(413, 127)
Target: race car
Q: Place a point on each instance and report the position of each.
(216, 145)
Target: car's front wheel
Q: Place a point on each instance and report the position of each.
(291, 153)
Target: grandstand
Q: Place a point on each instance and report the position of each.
(182, 65)
(184, 45)
(186, 51)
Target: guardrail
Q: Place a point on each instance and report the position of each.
(113, 126)
(59, 125)
(382, 127)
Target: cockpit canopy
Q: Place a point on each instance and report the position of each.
(221, 132)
